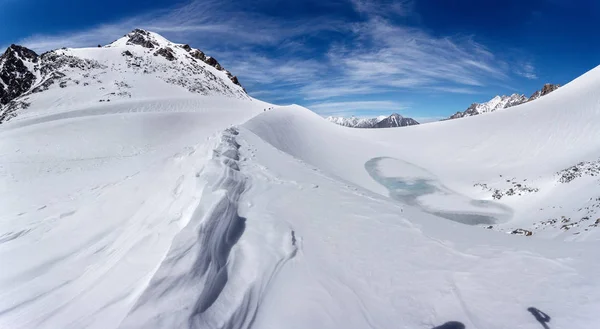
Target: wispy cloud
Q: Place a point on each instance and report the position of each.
(527, 70)
(331, 108)
(384, 8)
(210, 22)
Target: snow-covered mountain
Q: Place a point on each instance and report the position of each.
(503, 102)
(122, 70)
(394, 120)
(187, 205)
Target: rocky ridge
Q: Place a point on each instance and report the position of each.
(111, 72)
(394, 120)
(503, 102)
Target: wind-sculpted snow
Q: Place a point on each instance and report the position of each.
(92, 200)
(205, 273)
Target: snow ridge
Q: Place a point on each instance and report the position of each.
(208, 292)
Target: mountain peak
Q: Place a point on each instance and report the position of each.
(20, 51)
(144, 38)
(140, 64)
(393, 120)
(503, 102)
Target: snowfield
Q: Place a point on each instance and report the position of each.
(170, 209)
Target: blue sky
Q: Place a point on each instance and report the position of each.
(421, 58)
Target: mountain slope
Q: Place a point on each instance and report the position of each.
(133, 67)
(394, 120)
(503, 102)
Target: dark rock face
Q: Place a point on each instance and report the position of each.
(213, 62)
(396, 120)
(166, 53)
(23, 72)
(548, 88)
(16, 77)
(470, 111)
(234, 79)
(140, 37)
(197, 54)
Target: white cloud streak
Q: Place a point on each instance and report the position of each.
(527, 70)
(329, 108)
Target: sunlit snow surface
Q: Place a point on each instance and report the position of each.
(209, 212)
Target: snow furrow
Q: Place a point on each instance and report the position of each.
(207, 280)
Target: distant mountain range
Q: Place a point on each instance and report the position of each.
(503, 102)
(394, 120)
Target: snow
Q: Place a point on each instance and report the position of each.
(170, 209)
(356, 122)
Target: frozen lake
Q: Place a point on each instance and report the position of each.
(417, 187)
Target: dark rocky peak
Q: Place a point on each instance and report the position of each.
(197, 54)
(15, 76)
(546, 89)
(21, 52)
(213, 62)
(141, 38)
(396, 120)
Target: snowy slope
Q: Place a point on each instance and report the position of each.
(140, 65)
(91, 201)
(476, 158)
(179, 209)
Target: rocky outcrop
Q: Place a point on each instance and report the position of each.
(166, 52)
(396, 120)
(197, 54)
(548, 88)
(141, 38)
(15, 76)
